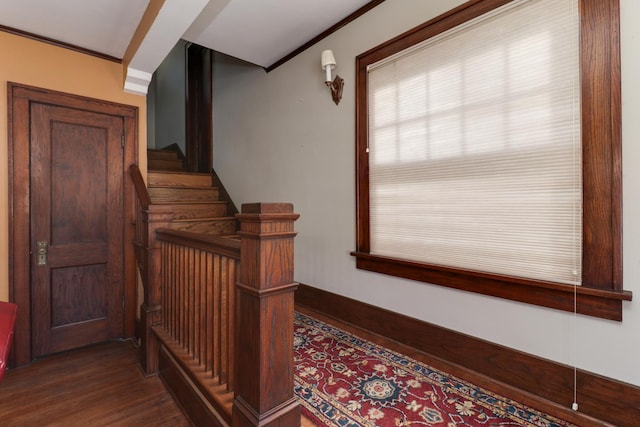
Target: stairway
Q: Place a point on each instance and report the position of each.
(191, 202)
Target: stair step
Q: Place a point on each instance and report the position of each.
(162, 154)
(178, 179)
(165, 165)
(226, 225)
(188, 211)
(183, 194)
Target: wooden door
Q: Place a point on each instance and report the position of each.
(76, 190)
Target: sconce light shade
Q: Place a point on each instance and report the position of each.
(328, 59)
(328, 63)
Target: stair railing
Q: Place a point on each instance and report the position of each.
(197, 328)
(149, 219)
(209, 310)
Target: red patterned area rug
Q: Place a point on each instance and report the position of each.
(342, 380)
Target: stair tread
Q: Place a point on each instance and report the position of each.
(178, 172)
(163, 161)
(178, 179)
(157, 150)
(186, 202)
(183, 187)
(161, 154)
(202, 219)
(195, 202)
(183, 194)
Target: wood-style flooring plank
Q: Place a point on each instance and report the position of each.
(97, 386)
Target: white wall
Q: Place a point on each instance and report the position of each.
(279, 137)
(166, 100)
(151, 114)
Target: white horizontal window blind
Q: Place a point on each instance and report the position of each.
(474, 146)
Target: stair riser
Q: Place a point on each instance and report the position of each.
(161, 155)
(157, 179)
(199, 211)
(165, 165)
(183, 195)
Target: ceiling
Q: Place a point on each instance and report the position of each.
(257, 31)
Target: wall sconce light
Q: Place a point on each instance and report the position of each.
(328, 64)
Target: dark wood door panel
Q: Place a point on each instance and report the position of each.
(77, 215)
(78, 294)
(79, 155)
(77, 310)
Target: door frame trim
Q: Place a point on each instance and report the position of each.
(199, 109)
(19, 99)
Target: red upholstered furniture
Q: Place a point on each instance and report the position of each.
(8, 313)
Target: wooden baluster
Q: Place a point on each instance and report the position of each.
(174, 268)
(164, 284)
(200, 307)
(195, 314)
(191, 302)
(234, 269)
(264, 333)
(225, 340)
(209, 331)
(181, 293)
(217, 317)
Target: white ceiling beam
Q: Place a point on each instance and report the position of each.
(172, 21)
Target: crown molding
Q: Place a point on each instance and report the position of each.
(137, 81)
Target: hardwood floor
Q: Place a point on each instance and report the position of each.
(100, 385)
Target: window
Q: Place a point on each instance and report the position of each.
(488, 153)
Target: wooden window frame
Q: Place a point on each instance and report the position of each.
(601, 294)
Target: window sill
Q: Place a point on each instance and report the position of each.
(600, 303)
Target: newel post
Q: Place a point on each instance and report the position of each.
(264, 332)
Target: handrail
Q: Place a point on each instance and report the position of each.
(141, 189)
(228, 246)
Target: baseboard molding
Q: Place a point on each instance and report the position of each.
(599, 398)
